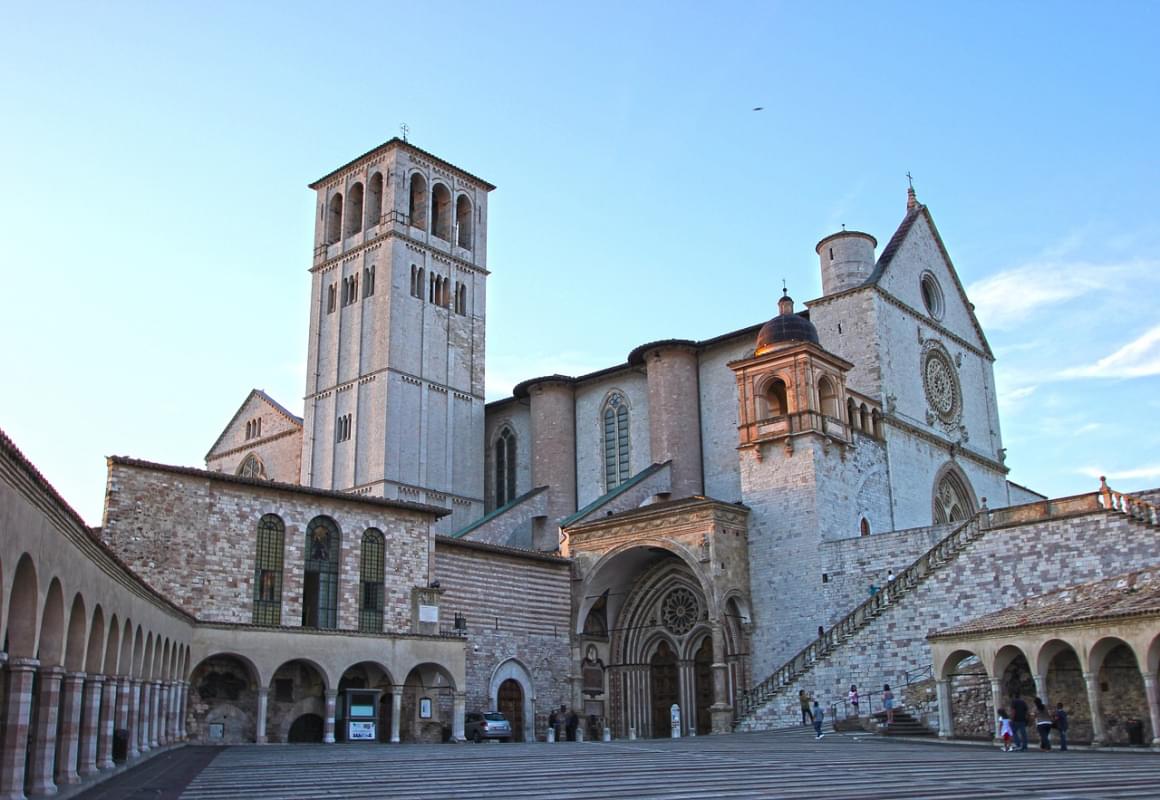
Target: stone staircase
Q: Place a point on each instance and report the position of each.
(945, 551)
(904, 725)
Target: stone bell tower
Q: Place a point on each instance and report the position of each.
(395, 372)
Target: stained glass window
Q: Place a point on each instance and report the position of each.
(370, 612)
(616, 444)
(268, 571)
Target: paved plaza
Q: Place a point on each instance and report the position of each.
(782, 764)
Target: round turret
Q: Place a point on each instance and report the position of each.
(847, 259)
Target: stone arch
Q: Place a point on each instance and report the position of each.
(513, 669)
(223, 690)
(867, 423)
(1152, 656)
(163, 667)
(147, 658)
(952, 498)
(852, 415)
(972, 707)
(1122, 699)
(23, 610)
(441, 211)
(1061, 665)
(417, 206)
(74, 651)
(435, 682)
(1012, 667)
(463, 221)
(299, 689)
(52, 630)
(112, 646)
(374, 201)
(664, 687)
(334, 218)
(771, 396)
(828, 397)
(354, 210)
(95, 650)
(138, 652)
(125, 660)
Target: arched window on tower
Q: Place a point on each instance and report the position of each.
(616, 442)
(773, 400)
(828, 398)
(417, 209)
(370, 609)
(463, 222)
(320, 576)
(864, 527)
(441, 212)
(866, 424)
(953, 499)
(334, 219)
(354, 211)
(268, 571)
(374, 200)
(461, 299)
(505, 467)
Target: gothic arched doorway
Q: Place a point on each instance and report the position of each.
(703, 677)
(663, 677)
(511, 705)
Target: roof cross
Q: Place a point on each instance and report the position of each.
(404, 128)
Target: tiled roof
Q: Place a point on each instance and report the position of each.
(1126, 595)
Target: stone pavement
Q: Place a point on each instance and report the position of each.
(781, 764)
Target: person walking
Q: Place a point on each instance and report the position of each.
(819, 714)
(804, 700)
(1043, 724)
(1061, 725)
(854, 699)
(1019, 721)
(1005, 730)
(888, 703)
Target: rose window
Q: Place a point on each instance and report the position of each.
(941, 385)
(680, 611)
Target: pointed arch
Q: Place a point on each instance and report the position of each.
(952, 499)
(614, 416)
(505, 466)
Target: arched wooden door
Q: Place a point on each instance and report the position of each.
(511, 705)
(703, 663)
(663, 674)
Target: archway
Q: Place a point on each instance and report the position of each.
(1065, 684)
(223, 700)
(366, 675)
(665, 689)
(510, 703)
(1123, 704)
(297, 688)
(972, 709)
(428, 705)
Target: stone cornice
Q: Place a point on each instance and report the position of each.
(390, 233)
(338, 387)
(253, 443)
(958, 450)
(920, 317)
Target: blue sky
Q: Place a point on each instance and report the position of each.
(157, 227)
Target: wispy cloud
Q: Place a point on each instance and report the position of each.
(1151, 472)
(1139, 358)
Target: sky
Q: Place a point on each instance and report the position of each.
(156, 227)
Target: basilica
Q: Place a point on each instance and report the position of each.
(672, 545)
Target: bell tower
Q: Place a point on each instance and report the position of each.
(395, 367)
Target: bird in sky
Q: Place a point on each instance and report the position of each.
(759, 108)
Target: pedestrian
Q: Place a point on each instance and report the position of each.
(821, 632)
(1005, 730)
(561, 716)
(804, 700)
(572, 723)
(854, 698)
(1061, 725)
(1043, 724)
(819, 714)
(1019, 722)
(888, 703)
(552, 720)
(873, 590)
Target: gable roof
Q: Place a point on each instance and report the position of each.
(892, 248)
(263, 397)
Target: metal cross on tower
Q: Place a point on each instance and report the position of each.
(404, 128)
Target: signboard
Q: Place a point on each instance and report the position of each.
(428, 613)
(361, 731)
(357, 710)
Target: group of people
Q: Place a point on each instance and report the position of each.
(1013, 726)
(815, 713)
(564, 722)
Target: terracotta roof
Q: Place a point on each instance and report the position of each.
(223, 477)
(1126, 595)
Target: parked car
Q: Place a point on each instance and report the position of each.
(480, 725)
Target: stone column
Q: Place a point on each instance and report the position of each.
(44, 734)
(17, 713)
(163, 700)
(183, 709)
(1092, 682)
(1153, 707)
(328, 724)
(396, 712)
(459, 709)
(69, 729)
(174, 708)
(263, 700)
(91, 710)
(721, 712)
(108, 696)
(143, 720)
(122, 717)
(154, 713)
(946, 725)
(996, 704)
(132, 723)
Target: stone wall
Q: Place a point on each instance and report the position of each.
(517, 607)
(995, 571)
(192, 535)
